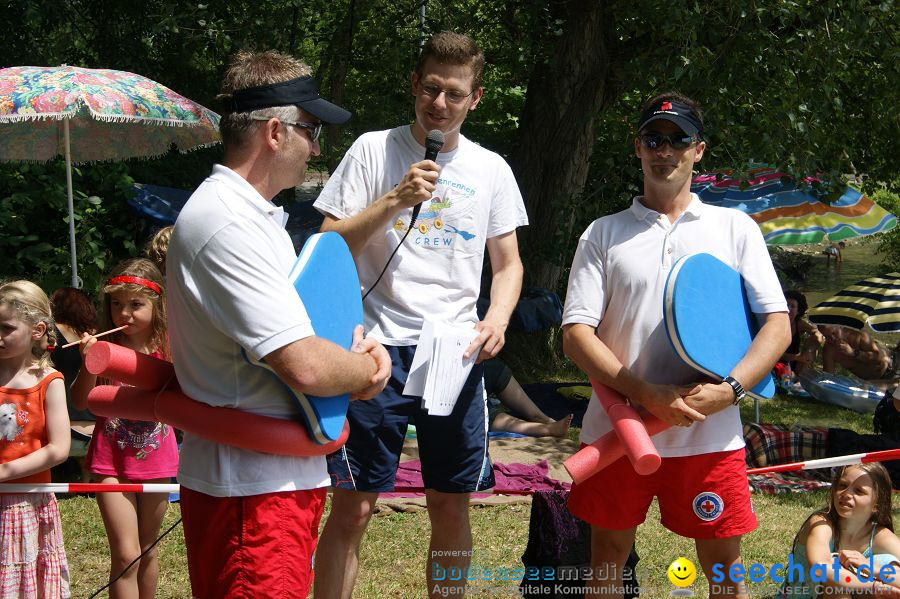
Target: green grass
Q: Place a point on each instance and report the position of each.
(393, 551)
(88, 552)
(807, 412)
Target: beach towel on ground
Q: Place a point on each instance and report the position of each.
(509, 477)
(772, 444)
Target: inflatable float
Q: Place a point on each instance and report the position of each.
(845, 391)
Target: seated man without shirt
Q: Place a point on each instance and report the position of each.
(856, 351)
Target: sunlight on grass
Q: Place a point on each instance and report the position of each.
(806, 412)
(88, 552)
(394, 550)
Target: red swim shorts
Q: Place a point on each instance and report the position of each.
(254, 546)
(701, 497)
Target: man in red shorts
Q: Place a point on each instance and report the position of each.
(251, 519)
(613, 329)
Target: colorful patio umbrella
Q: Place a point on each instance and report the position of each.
(89, 115)
(874, 301)
(790, 214)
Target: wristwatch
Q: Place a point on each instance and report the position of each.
(739, 393)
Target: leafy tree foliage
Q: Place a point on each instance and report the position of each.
(806, 85)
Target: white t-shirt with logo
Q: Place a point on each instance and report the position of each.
(437, 272)
(617, 283)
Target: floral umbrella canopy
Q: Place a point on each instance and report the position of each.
(791, 214)
(89, 115)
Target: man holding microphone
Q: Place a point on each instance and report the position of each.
(469, 200)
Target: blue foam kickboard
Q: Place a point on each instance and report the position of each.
(708, 318)
(325, 279)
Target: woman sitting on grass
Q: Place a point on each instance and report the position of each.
(856, 527)
(805, 338)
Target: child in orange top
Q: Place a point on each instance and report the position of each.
(34, 436)
(127, 451)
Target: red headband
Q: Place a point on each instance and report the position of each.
(136, 281)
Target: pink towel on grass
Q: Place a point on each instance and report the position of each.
(509, 477)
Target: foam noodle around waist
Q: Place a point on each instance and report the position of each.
(131, 367)
(217, 424)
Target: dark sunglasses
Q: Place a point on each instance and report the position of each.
(652, 141)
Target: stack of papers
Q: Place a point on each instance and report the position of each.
(439, 370)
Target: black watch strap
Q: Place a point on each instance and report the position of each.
(739, 393)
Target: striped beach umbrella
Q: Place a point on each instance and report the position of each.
(874, 302)
(789, 213)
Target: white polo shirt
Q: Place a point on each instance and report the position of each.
(228, 291)
(617, 284)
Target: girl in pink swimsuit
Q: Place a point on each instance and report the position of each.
(126, 451)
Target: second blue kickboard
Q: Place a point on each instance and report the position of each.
(708, 318)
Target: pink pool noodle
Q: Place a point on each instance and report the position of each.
(221, 425)
(630, 429)
(131, 367)
(593, 458)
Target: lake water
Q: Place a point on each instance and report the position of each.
(859, 262)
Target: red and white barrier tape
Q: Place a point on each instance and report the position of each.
(88, 488)
(847, 460)
(844, 460)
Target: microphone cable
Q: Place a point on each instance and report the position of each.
(136, 560)
(391, 257)
(434, 141)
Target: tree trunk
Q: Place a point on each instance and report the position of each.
(339, 61)
(565, 95)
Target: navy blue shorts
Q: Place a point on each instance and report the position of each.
(453, 449)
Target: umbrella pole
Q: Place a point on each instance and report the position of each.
(75, 280)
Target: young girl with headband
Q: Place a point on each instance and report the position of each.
(34, 436)
(126, 451)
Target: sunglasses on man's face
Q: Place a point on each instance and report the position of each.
(315, 129)
(679, 141)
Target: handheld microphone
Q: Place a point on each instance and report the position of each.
(434, 141)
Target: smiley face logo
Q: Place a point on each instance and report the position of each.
(682, 572)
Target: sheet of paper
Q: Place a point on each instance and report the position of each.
(438, 371)
(418, 370)
(448, 370)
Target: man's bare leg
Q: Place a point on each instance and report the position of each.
(721, 551)
(508, 423)
(609, 551)
(450, 532)
(337, 555)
